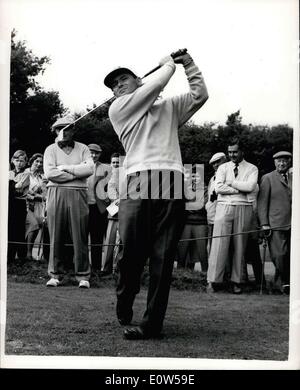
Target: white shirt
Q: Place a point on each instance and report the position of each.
(236, 190)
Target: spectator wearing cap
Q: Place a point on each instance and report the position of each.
(67, 165)
(98, 201)
(216, 160)
(235, 183)
(274, 213)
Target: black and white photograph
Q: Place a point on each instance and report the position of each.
(149, 186)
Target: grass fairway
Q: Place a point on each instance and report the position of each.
(69, 321)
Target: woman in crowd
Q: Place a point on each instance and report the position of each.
(36, 198)
(18, 188)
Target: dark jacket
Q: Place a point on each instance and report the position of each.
(274, 202)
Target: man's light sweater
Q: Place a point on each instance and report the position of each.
(78, 166)
(240, 190)
(148, 127)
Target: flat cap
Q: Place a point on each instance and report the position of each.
(282, 153)
(216, 157)
(116, 72)
(62, 122)
(95, 147)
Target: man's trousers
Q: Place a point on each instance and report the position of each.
(97, 228)
(67, 210)
(149, 229)
(190, 252)
(16, 228)
(110, 241)
(279, 246)
(229, 219)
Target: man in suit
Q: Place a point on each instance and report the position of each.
(98, 201)
(274, 213)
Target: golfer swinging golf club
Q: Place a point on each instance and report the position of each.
(151, 223)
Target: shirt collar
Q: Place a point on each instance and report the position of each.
(240, 163)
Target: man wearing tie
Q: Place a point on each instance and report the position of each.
(235, 183)
(274, 212)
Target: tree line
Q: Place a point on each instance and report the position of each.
(33, 110)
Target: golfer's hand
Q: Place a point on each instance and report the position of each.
(185, 59)
(165, 60)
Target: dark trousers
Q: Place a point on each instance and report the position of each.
(252, 256)
(279, 246)
(16, 228)
(149, 229)
(97, 228)
(110, 249)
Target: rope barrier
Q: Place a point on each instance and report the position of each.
(183, 240)
(235, 234)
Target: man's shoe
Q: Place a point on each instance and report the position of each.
(210, 288)
(53, 282)
(84, 284)
(137, 333)
(236, 289)
(286, 289)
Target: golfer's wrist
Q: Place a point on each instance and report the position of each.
(188, 62)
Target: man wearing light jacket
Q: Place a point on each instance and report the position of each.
(235, 185)
(151, 223)
(67, 165)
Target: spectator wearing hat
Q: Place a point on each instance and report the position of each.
(98, 201)
(216, 160)
(274, 213)
(67, 165)
(235, 183)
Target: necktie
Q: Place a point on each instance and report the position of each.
(236, 170)
(213, 196)
(285, 178)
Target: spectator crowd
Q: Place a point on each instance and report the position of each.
(70, 200)
(225, 221)
(139, 210)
